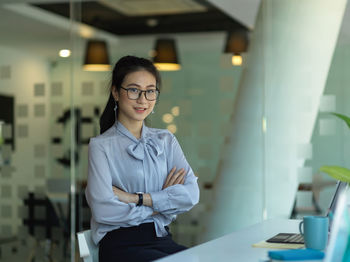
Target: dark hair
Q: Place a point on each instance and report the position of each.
(124, 66)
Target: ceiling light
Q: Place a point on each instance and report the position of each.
(86, 31)
(166, 58)
(237, 43)
(96, 56)
(152, 22)
(237, 60)
(264, 124)
(152, 53)
(172, 128)
(64, 53)
(167, 118)
(175, 111)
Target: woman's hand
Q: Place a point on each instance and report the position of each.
(125, 196)
(175, 178)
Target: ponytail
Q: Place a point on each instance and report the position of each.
(107, 118)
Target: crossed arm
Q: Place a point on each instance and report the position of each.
(179, 193)
(174, 177)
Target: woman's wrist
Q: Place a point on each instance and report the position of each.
(134, 198)
(147, 200)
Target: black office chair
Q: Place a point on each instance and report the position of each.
(48, 221)
(82, 213)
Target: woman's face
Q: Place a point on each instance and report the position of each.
(135, 110)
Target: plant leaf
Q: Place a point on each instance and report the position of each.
(345, 118)
(337, 172)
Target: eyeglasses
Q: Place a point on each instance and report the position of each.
(134, 93)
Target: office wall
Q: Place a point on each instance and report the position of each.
(26, 77)
(277, 104)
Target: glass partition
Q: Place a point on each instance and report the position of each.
(50, 108)
(38, 144)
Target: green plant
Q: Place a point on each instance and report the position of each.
(337, 172)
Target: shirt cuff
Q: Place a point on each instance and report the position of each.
(160, 200)
(160, 229)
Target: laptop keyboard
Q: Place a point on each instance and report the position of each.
(297, 239)
(287, 238)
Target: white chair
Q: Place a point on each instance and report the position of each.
(87, 248)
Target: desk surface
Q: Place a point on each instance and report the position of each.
(237, 245)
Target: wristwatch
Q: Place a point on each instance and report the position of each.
(140, 202)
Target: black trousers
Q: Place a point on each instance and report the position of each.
(139, 244)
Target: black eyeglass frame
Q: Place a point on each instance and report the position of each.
(145, 91)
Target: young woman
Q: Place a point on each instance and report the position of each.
(139, 179)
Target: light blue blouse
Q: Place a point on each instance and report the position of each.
(117, 158)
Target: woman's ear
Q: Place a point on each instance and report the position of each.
(115, 93)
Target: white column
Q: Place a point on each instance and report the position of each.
(290, 54)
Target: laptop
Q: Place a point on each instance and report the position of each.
(338, 249)
(340, 188)
(292, 238)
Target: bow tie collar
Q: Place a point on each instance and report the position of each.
(144, 144)
(140, 146)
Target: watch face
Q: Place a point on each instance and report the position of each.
(140, 203)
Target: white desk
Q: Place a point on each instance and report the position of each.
(237, 245)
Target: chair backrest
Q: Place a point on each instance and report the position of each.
(48, 222)
(87, 248)
(82, 214)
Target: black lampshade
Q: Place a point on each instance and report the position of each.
(96, 56)
(166, 58)
(236, 42)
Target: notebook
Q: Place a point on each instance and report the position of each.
(292, 238)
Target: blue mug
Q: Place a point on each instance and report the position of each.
(315, 231)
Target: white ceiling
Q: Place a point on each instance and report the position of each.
(244, 11)
(19, 29)
(34, 30)
(22, 32)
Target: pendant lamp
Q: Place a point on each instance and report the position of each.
(236, 43)
(166, 58)
(96, 56)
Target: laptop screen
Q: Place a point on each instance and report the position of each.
(340, 188)
(338, 247)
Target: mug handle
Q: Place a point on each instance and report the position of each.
(300, 228)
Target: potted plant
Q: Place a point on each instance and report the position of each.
(337, 172)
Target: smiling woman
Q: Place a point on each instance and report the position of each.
(139, 178)
(133, 106)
